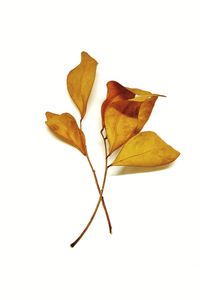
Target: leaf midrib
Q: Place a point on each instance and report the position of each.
(134, 155)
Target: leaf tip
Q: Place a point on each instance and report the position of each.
(86, 55)
(177, 154)
(49, 115)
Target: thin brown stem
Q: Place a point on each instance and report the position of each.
(81, 123)
(92, 218)
(101, 199)
(100, 193)
(97, 184)
(88, 225)
(105, 170)
(106, 161)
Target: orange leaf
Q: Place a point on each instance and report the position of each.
(146, 149)
(125, 112)
(66, 128)
(80, 81)
(115, 92)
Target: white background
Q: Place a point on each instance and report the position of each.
(47, 190)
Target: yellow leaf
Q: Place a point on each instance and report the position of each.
(145, 111)
(80, 81)
(119, 127)
(139, 92)
(125, 112)
(142, 92)
(146, 149)
(66, 128)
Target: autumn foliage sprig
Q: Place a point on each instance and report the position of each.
(124, 113)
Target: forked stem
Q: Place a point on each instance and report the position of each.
(101, 199)
(100, 192)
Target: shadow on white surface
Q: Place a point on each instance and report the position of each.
(133, 170)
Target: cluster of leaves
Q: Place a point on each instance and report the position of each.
(124, 114)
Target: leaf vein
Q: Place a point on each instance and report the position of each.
(134, 155)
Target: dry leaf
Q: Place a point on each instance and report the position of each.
(125, 112)
(119, 128)
(115, 92)
(66, 128)
(140, 92)
(146, 149)
(80, 81)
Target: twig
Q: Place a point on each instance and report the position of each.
(101, 199)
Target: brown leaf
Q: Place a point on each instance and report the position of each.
(146, 149)
(125, 112)
(80, 81)
(115, 92)
(66, 128)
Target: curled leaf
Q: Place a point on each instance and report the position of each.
(66, 128)
(80, 81)
(146, 149)
(115, 92)
(140, 92)
(125, 112)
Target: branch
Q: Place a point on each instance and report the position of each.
(101, 199)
